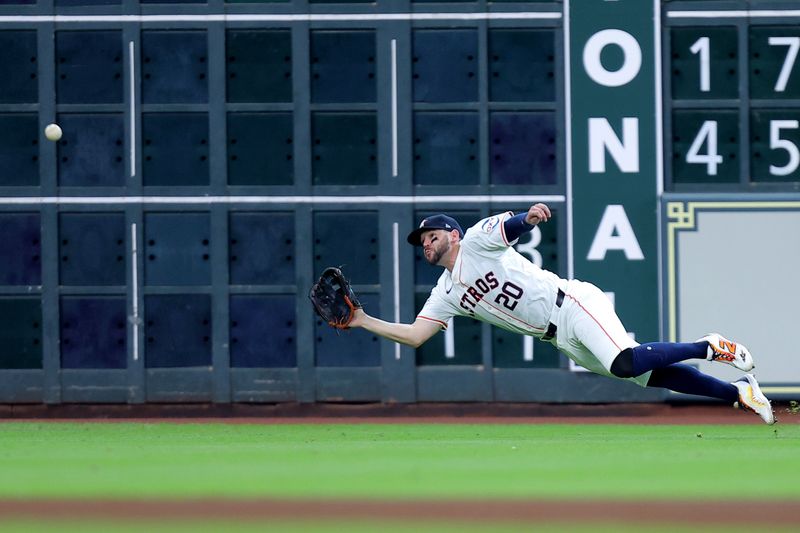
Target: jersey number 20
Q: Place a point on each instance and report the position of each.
(510, 295)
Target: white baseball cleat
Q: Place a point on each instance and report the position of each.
(722, 350)
(752, 399)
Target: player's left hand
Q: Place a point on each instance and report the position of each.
(538, 213)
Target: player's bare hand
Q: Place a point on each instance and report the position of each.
(358, 318)
(538, 213)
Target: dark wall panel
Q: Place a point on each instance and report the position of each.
(175, 148)
(446, 148)
(93, 332)
(92, 248)
(263, 331)
(174, 67)
(178, 330)
(261, 248)
(349, 240)
(445, 65)
(344, 148)
(523, 148)
(20, 332)
(177, 249)
(20, 249)
(259, 65)
(19, 149)
(343, 66)
(19, 81)
(522, 65)
(89, 67)
(260, 149)
(92, 151)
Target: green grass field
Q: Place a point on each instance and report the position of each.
(380, 462)
(395, 461)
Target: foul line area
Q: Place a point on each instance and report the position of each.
(761, 514)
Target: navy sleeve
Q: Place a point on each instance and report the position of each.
(515, 226)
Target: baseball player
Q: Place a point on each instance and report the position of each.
(487, 279)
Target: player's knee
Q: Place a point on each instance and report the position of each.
(622, 367)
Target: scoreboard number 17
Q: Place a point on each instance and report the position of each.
(702, 47)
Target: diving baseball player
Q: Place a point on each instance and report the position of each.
(487, 279)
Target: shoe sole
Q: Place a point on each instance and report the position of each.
(760, 397)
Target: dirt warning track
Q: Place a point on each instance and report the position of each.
(780, 513)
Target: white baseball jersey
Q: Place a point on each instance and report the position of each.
(494, 283)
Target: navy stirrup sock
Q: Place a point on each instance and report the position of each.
(660, 354)
(663, 359)
(689, 380)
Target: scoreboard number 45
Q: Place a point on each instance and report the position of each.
(704, 147)
(707, 136)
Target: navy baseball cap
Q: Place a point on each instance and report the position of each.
(439, 221)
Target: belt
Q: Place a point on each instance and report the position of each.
(551, 328)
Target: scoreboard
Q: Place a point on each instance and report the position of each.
(217, 155)
(733, 95)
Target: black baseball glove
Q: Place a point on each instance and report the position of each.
(334, 299)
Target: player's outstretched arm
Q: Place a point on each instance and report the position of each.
(413, 335)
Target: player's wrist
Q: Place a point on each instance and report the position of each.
(358, 318)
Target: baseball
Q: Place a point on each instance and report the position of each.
(52, 132)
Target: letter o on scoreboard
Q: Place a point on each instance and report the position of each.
(631, 64)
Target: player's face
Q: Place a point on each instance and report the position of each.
(435, 244)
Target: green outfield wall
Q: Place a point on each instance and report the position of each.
(217, 156)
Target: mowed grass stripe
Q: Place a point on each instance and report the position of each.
(379, 461)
